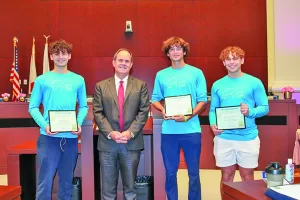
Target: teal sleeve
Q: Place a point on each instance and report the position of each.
(34, 105)
(157, 94)
(82, 104)
(215, 102)
(201, 88)
(261, 102)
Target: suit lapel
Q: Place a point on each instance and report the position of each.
(112, 88)
(128, 88)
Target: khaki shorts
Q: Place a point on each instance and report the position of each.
(231, 152)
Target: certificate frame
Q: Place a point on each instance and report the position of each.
(170, 100)
(58, 117)
(224, 114)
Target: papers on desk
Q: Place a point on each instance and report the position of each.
(285, 192)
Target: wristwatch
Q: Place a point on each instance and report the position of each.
(131, 133)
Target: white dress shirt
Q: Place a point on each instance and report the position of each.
(117, 83)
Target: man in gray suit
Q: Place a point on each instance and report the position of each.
(120, 106)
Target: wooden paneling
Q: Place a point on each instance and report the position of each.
(10, 192)
(96, 30)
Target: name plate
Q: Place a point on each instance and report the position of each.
(63, 121)
(229, 118)
(178, 105)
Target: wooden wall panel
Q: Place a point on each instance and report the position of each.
(96, 30)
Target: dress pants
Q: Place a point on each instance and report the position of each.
(123, 160)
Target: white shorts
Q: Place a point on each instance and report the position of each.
(231, 152)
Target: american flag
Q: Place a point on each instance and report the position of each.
(14, 74)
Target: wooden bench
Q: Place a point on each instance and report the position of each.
(10, 192)
(21, 162)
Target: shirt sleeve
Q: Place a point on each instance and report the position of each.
(215, 102)
(201, 94)
(157, 93)
(261, 102)
(34, 105)
(82, 104)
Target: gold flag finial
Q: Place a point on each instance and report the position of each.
(46, 38)
(15, 39)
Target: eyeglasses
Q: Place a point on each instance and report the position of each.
(177, 48)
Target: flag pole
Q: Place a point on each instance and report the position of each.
(14, 75)
(46, 38)
(15, 40)
(46, 66)
(32, 71)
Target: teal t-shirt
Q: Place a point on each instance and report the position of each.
(246, 89)
(182, 81)
(58, 92)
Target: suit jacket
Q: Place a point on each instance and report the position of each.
(135, 111)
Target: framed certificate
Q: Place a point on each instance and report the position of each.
(63, 121)
(178, 105)
(229, 118)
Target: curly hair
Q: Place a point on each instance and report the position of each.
(235, 52)
(60, 46)
(177, 41)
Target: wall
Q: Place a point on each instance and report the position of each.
(283, 46)
(270, 43)
(96, 29)
(287, 43)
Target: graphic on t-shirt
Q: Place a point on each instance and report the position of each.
(62, 85)
(175, 82)
(233, 92)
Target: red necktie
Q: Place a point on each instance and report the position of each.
(121, 104)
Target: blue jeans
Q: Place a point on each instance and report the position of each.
(56, 154)
(170, 148)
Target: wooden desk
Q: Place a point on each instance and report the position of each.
(21, 165)
(249, 190)
(283, 112)
(21, 162)
(10, 192)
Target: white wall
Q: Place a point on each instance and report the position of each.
(286, 45)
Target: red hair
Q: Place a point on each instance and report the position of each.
(235, 51)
